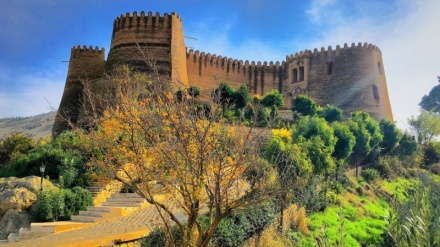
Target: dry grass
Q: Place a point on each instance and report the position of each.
(36, 127)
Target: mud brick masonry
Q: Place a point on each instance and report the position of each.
(351, 77)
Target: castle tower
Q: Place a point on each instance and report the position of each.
(85, 64)
(138, 40)
(351, 78)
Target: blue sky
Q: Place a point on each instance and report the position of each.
(37, 35)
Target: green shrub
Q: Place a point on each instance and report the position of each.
(312, 198)
(232, 232)
(75, 200)
(435, 168)
(390, 167)
(370, 174)
(49, 206)
(60, 204)
(159, 238)
(62, 157)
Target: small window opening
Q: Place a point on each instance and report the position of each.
(329, 68)
(301, 73)
(375, 92)
(379, 67)
(295, 75)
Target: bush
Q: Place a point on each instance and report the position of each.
(431, 153)
(60, 204)
(370, 174)
(49, 206)
(389, 167)
(62, 157)
(75, 200)
(158, 237)
(232, 230)
(435, 168)
(313, 197)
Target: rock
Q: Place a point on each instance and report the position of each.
(19, 193)
(12, 221)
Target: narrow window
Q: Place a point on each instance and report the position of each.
(375, 92)
(295, 75)
(301, 73)
(379, 67)
(329, 68)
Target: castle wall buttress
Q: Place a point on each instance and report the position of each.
(179, 73)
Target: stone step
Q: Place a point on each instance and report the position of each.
(95, 184)
(28, 233)
(122, 204)
(126, 195)
(126, 199)
(14, 237)
(95, 189)
(4, 241)
(99, 209)
(88, 219)
(92, 213)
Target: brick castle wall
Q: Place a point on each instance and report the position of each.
(352, 78)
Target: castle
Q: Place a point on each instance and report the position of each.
(349, 77)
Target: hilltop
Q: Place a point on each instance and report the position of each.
(37, 127)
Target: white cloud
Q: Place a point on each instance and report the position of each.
(40, 92)
(318, 9)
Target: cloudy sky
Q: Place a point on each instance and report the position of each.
(37, 35)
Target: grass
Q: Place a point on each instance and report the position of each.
(398, 187)
(357, 219)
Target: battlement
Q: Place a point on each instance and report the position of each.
(81, 49)
(219, 61)
(143, 20)
(329, 50)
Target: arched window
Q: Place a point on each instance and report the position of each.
(379, 67)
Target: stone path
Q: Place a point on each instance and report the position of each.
(104, 233)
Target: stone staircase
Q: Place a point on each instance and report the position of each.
(118, 205)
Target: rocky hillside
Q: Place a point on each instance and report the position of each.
(37, 127)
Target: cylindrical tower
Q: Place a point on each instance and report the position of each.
(351, 78)
(85, 64)
(147, 43)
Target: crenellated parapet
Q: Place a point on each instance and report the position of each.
(147, 36)
(143, 20)
(84, 48)
(323, 51)
(224, 62)
(203, 66)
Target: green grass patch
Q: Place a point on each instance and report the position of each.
(357, 219)
(398, 187)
